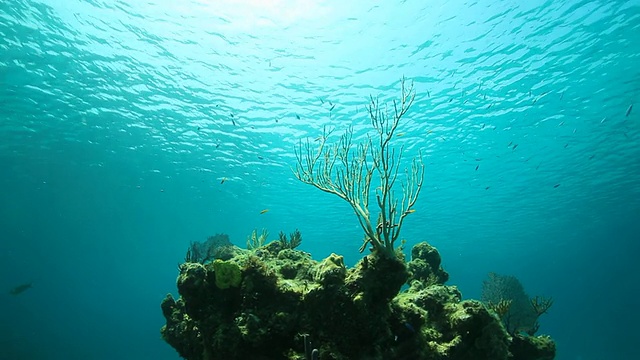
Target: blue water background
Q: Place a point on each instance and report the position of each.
(116, 131)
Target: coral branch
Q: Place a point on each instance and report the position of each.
(346, 170)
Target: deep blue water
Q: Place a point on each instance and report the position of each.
(117, 128)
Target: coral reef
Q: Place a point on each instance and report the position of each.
(217, 246)
(273, 302)
(278, 303)
(505, 295)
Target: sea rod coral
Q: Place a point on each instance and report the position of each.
(347, 170)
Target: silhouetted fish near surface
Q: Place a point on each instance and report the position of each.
(20, 289)
(556, 185)
(477, 166)
(297, 116)
(629, 110)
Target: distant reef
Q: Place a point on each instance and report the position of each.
(275, 302)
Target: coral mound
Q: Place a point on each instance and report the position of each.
(281, 304)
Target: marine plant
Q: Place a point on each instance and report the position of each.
(255, 241)
(215, 247)
(294, 240)
(348, 170)
(505, 295)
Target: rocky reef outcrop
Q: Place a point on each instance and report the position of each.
(278, 303)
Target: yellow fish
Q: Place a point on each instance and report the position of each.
(264, 211)
(410, 211)
(400, 135)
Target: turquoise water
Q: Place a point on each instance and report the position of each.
(120, 121)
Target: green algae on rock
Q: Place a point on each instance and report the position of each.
(284, 297)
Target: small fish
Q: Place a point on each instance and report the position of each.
(276, 120)
(297, 116)
(450, 100)
(260, 157)
(629, 110)
(318, 138)
(561, 95)
(428, 93)
(429, 131)
(561, 123)
(400, 135)
(603, 120)
(233, 121)
(409, 327)
(410, 211)
(321, 101)
(217, 146)
(20, 289)
(223, 180)
(332, 106)
(483, 125)
(510, 144)
(489, 107)
(487, 188)
(198, 128)
(556, 185)
(514, 147)
(264, 211)
(565, 145)
(477, 166)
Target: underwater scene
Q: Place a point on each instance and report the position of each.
(333, 180)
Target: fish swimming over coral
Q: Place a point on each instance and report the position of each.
(20, 289)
